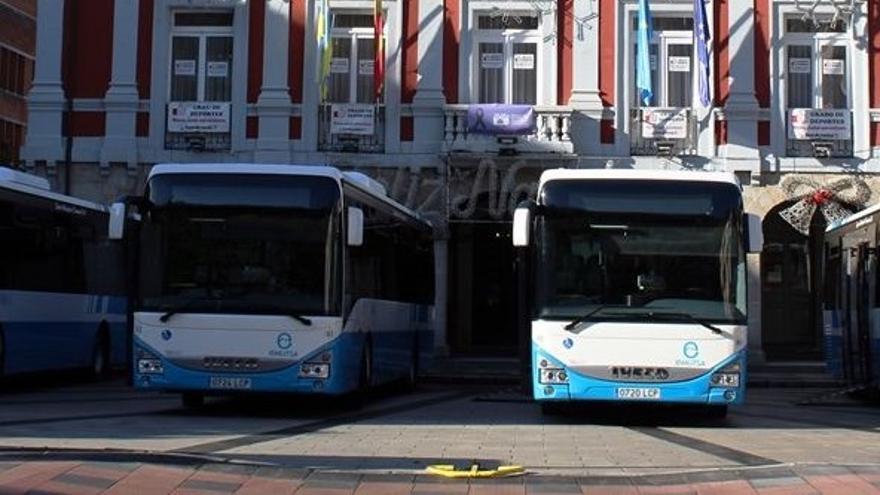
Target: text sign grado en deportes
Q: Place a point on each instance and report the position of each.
(352, 119)
(806, 124)
(664, 124)
(198, 117)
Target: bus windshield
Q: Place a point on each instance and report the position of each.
(241, 244)
(683, 257)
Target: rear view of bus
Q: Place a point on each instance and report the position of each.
(242, 285)
(639, 286)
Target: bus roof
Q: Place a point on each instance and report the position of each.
(356, 179)
(33, 185)
(630, 174)
(853, 218)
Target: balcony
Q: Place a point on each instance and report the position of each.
(662, 132)
(551, 135)
(351, 128)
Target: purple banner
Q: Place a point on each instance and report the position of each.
(498, 119)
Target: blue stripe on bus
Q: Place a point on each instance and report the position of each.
(391, 359)
(45, 346)
(583, 388)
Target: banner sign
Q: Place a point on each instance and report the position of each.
(208, 117)
(352, 119)
(664, 124)
(808, 124)
(500, 119)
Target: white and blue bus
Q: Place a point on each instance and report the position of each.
(62, 282)
(637, 286)
(851, 299)
(278, 278)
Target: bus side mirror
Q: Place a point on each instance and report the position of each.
(116, 225)
(522, 222)
(355, 227)
(754, 233)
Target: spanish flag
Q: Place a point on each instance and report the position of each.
(379, 43)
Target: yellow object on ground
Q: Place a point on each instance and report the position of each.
(449, 471)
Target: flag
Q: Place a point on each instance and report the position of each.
(701, 41)
(322, 32)
(379, 44)
(644, 83)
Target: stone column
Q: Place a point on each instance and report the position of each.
(585, 99)
(46, 98)
(742, 110)
(121, 100)
(273, 104)
(428, 101)
(756, 346)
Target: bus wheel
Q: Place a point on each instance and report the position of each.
(192, 400)
(101, 355)
(717, 412)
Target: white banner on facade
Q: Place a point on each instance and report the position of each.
(352, 119)
(833, 67)
(338, 65)
(218, 69)
(184, 67)
(523, 61)
(800, 65)
(679, 64)
(208, 117)
(808, 124)
(366, 67)
(664, 124)
(491, 60)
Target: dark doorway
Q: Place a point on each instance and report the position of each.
(791, 281)
(482, 319)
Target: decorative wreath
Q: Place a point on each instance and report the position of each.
(834, 199)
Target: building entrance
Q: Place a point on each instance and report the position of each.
(482, 289)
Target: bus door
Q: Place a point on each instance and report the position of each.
(859, 305)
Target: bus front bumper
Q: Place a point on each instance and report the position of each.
(343, 376)
(699, 390)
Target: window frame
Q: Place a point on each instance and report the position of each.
(816, 41)
(508, 38)
(355, 34)
(202, 33)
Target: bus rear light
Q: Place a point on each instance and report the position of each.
(314, 370)
(150, 366)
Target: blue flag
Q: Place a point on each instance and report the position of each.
(701, 38)
(644, 33)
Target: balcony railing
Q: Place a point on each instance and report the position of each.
(552, 134)
(365, 137)
(662, 132)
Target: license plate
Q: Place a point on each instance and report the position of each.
(652, 393)
(226, 383)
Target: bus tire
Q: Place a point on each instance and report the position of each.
(192, 400)
(100, 366)
(717, 412)
(2, 352)
(551, 408)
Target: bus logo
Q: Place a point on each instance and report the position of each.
(691, 350)
(166, 334)
(568, 343)
(284, 341)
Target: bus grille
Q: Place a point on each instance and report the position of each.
(230, 363)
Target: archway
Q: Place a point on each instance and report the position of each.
(790, 288)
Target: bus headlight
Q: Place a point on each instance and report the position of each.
(314, 370)
(553, 376)
(728, 376)
(150, 366)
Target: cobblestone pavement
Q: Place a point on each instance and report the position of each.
(97, 438)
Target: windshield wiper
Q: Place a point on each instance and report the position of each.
(577, 321)
(270, 308)
(683, 316)
(173, 310)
